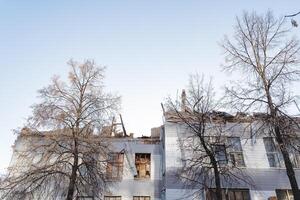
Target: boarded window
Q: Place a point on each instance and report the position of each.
(114, 170)
(229, 194)
(143, 165)
(284, 195)
(112, 198)
(141, 197)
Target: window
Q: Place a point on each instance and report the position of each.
(294, 152)
(85, 198)
(112, 198)
(273, 153)
(228, 150)
(274, 156)
(114, 170)
(235, 151)
(284, 195)
(142, 164)
(229, 194)
(220, 153)
(141, 197)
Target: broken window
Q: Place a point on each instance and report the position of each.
(114, 170)
(112, 198)
(284, 195)
(229, 194)
(141, 197)
(142, 164)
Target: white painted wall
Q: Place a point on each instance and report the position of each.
(128, 186)
(255, 153)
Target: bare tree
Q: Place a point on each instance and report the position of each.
(207, 146)
(62, 154)
(268, 57)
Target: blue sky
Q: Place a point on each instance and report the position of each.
(149, 48)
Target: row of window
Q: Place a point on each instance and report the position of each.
(114, 170)
(227, 194)
(120, 198)
(244, 194)
(230, 151)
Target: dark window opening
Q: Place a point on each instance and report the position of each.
(229, 194)
(141, 198)
(284, 195)
(143, 165)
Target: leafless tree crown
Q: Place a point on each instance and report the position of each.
(205, 139)
(263, 49)
(60, 154)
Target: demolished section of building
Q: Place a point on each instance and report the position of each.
(146, 168)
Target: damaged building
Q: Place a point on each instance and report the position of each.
(132, 170)
(146, 168)
(253, 151)
(135, 166)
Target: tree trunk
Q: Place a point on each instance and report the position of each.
(73, 177)
(71, 187)
(214, 163)
(217, 181)
(278, 136)
(288, 164)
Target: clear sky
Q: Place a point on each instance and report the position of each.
(149, 48)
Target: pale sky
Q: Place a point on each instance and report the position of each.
(149, 48)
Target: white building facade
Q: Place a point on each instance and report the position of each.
(140, 174)
(263, 163)
(144, 168)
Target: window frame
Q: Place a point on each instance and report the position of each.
(147, 164)
(234, 153)
(113, 197)
(220, 153)
(141, 197)
(277, 155)
(227, 192)
(288, 194)
(115, 161)
(294, 152)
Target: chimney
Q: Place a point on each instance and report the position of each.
(183, 101)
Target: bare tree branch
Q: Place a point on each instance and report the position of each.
(69, 160)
